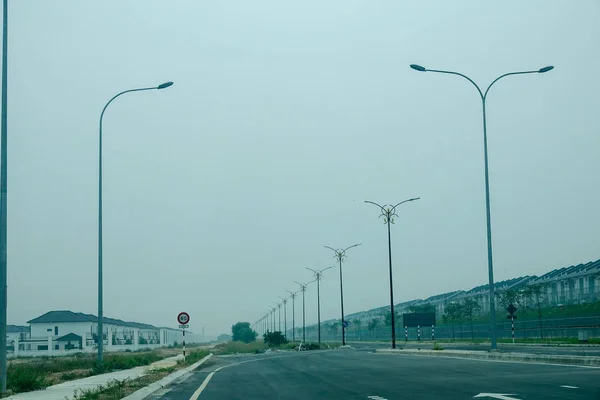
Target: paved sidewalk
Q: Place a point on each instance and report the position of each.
(66, 390)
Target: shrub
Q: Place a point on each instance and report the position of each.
(25, 378)
(436, 346)
(274, 338)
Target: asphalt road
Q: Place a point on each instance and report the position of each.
(348, 374)
(502, 347)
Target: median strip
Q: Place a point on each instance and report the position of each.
(588, 361)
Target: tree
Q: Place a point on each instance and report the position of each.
(334, 327)
(453, 312)
(372, 325)
(387, 317)
(470, 307)
(536, 293)
(422, 308)
(241, 332)
(357, 323)
(510, 296)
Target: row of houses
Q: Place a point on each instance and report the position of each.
(576, 284)
(62, 332)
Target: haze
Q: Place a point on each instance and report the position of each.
(284, 118)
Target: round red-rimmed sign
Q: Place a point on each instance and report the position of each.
(183, 318)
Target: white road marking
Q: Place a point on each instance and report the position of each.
(500, 396)
(204, 384)
(569, 387)
(376, 398)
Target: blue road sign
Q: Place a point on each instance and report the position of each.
(345, 323)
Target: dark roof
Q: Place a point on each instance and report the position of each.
(69, 337)
(16, 329)
(52, 317)
(570, 272)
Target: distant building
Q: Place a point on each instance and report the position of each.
(57, 331)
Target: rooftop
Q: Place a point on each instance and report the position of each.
(52, 317)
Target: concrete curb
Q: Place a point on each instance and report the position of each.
(153, 387)
(590, 361)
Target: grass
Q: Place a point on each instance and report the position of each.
(115, 390)
(436, 346)
(29, 375)
(240, 347)
(193, 357)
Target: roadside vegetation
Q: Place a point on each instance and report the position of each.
(25, 375)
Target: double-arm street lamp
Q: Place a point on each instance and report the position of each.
(340, 255)
(100, 309)
(388, 212)
(318, 275)
(303, 289)
(284, 315)
(293, 296)
(279, 311)
(483, 96)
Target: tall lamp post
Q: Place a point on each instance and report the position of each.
(318, 275)
(100, 310)
(340, 255)
(279, 311)
(293, 296)
(3, 199)
(388, 213)
(483, 96)
(303, 289)
(284, 315)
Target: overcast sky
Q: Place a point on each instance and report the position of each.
(285, 117)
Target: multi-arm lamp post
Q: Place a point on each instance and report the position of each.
(340, 255)
(318, 275)
(293, 296)
(388, 213)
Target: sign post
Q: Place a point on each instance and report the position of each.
(406, 333)
(511, 311)
(183, 318)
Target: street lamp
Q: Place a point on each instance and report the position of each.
(318, 276)
(279, 311)
(3, 199)
(293, 296)
(340, 255)
(284, 315)
(483, 96)
(100, 310)
(388, 213)
(303, 289)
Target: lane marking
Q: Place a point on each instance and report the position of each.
(569, 387)
(204, 384)
(376, 398)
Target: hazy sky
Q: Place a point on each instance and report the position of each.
(285, 117)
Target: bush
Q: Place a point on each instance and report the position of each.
(25, 378)
(436, 346)
(274, 338)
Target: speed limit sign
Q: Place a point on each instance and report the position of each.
(183, 318)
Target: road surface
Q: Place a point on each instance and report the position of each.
(348, 374)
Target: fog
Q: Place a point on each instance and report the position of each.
(284, 118)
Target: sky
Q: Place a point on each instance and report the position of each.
(284, 118)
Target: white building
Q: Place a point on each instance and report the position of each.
(59, 331)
